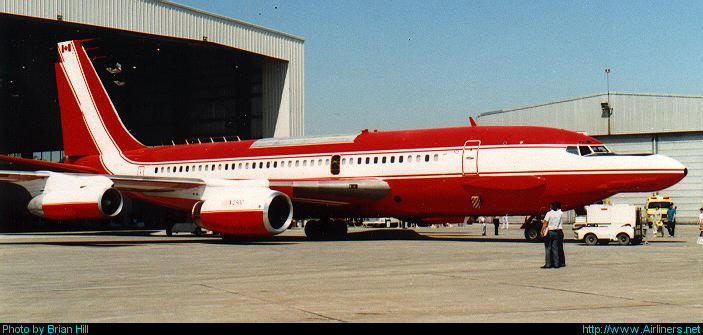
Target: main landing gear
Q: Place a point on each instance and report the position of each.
(326, 230)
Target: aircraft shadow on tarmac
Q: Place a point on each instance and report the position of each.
(369, 235)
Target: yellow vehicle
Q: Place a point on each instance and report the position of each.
(656, 207)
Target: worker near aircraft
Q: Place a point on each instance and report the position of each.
(554, 238)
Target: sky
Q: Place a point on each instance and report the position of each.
(423, 64)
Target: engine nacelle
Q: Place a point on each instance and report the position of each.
(70, 197)
(256, 212)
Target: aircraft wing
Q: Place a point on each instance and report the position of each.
(60, 167)
(313, 191)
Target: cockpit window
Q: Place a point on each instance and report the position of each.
(584, 150)
(572, 150)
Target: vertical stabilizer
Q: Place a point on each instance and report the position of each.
(90, 123)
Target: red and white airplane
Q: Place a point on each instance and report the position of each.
(254, 187)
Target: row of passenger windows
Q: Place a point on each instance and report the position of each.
(295, 163)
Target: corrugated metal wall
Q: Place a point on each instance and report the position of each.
(170, 19)
(633, 113)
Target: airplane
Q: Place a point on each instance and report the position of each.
(256, 187)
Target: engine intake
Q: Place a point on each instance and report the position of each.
(254, 213)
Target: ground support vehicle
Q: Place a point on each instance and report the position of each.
(606, 223)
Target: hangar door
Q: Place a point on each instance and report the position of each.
(687, 148)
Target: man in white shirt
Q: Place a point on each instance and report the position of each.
(554, 238)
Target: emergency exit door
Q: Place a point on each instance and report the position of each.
(469, 157)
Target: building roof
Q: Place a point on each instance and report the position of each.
(632, 113)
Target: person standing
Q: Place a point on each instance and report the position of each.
(700, 225)
(496, 224)
(482, 221)
(671, 220)
(657, 224)
(506, 224)
(552, 231)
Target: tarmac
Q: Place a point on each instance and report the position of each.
(376, 275)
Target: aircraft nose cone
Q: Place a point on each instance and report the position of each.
(685, 172)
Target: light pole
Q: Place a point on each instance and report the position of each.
(607, 79)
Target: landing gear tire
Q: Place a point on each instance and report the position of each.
(339, 230)
(623, 239)
(169, 230)
(325, 230)
(313, 230)
(532, 233)
(198, 231)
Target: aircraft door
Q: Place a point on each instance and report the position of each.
(140, 170)
(469, 157)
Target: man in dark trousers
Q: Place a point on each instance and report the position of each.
(671, 220)
(553, 238)
(496, 224)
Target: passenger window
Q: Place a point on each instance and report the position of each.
(367, 160)
(268, 165)
(358, 161)
(400, 159)
(344, 161)
(375, 160)
(187, 168)
(427, 158)
(297, 163)
(436, 157)
(410, 159)
(383, 160)
(156, 170)
(275, 164)
(392, 159)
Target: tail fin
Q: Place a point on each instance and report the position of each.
(90, 123)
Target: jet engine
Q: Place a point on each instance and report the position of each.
(257, 212)
(75, 204)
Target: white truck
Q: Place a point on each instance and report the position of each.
(606, 223)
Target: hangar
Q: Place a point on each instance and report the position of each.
(667, 124)
(175, 74)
